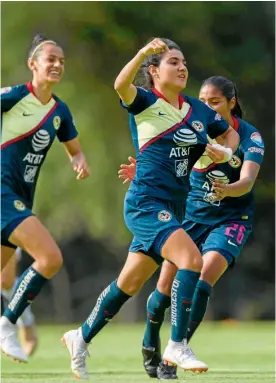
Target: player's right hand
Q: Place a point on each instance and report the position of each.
(154, 47)
(218, 154)
(127, 172)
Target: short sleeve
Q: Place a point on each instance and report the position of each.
(141, 102)
(216, 124)
(9, 97)
(253, 147)
(67, 130)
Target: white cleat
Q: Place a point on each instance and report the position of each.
(77, 348)
(9, 342)
(181, 355)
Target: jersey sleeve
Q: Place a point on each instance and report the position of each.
(67, 130)
(9, 96)
(141, 102)
(253, 147)
(216, 124)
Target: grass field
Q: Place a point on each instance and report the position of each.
(235, 352)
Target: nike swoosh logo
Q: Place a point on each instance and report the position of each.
(27, 114)
(162, 114)
(231, 243)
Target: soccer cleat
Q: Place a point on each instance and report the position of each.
(179, 354)
(151, 359)
(166, 372)
(9, 343)
(77, 348)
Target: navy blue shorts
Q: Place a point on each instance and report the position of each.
(151, 222)
(227, 238)
(14, 210)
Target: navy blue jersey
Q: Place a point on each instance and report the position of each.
(200, 207)
(28, 131)
(168, 142)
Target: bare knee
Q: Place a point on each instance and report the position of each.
(190, 259)
(164, 287)
(214, 265)
(196, 261)
(49, 263)
(130, 286)
(182, 251)
(136, 271)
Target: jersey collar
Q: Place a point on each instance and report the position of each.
(30, 88)
(180, 98)
(236, 123)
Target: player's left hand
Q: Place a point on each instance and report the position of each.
(219, 190)
(80, 166)
(127, 172)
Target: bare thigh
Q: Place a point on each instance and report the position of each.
(136, 271)
(214, 266)
(36, 240)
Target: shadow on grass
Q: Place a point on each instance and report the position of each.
(210, 373)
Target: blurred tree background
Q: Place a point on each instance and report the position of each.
(233, 39)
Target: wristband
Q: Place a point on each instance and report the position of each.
(227, 151)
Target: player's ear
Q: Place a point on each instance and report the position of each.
(232, 103)
(31, 64)
(153, 70)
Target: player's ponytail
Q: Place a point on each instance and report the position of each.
(37, 43)
(229, 91)
(237, 110)
(143, 77)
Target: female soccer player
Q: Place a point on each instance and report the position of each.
(31, 118)
(219, 215)
(26, 322)
(170, 134)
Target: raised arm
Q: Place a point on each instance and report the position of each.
(124, 82)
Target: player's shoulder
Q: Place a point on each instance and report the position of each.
(15, 91)
(61, 104)
(249, 136)
(193, 101)
(147, 94)
(144, 99)
(246, 130)
(12, 95)
(198, 105)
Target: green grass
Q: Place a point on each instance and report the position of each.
(235, 353)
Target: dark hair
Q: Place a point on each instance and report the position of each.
(143, 77)
(228, 89)
(38, 39)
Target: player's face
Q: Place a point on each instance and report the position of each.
(214, 98)
(49, 64)
(172, 71)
